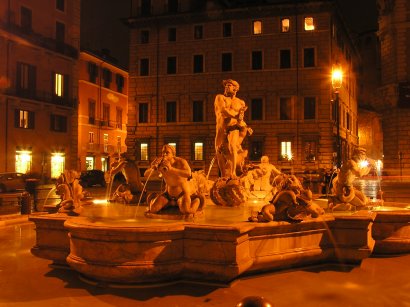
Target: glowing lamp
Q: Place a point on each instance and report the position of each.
(337, 77)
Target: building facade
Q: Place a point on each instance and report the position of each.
(102, 111)
(370, 119)
(282, 54)
(394, 91)
(39, 43)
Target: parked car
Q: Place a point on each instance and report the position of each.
(92, 177)
(12, 181)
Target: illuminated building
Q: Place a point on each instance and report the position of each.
(39, 44)
(394, 90)
(280, 52)
(102, 111)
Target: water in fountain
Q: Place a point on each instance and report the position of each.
(210, 167)
(109, 187)
(48, 195)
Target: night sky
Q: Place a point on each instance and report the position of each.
(102, 28)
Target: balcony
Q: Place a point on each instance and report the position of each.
(101, 148)
(40, 96)
(40, 40)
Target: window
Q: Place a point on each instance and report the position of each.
(309, 24)
(144, 38)
(285, 106)
(25, 18)
(145, 7)
(309, 149)
(144, 67)
(60, 5)
(198, 111)
(286, 150)
(256, 60)
(257, 27)
(171, 111)
(60, 32)
(172, 6)
(227, 29)
(143, 113)
(144, 151)
(23, 161)
(256, 109)
(198, 32)
(226, 62)
(91, 137)
(284, 25)
(118, 124)
(255, 149)
(104, 164)
(309, 108)
(60, 85)
(172, 34)
(57, 164)
(119, 80)
(107, 77)
(198, 63)
(172, 65)
(198, 151)
(106, 114)
(309, 57)
(92, 72)
(285, 61)
(105, 142)
(26, 79)
(118, 143)
(91, 111)
(23, 119)
(58, 123)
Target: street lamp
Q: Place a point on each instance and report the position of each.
(337, 78)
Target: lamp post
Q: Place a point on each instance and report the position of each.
(337, 78)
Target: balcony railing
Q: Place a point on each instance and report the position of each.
(40, 96)
(104, 148)
(40, 40)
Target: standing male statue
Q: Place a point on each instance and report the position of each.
(231, 129)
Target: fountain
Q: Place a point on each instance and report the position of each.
(237, 233)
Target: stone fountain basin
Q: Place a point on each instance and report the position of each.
(117, 244)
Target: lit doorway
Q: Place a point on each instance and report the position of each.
(89, 163)
(23, 161)
(105, 163)
(57, 164)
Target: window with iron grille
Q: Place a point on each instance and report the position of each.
(309, 57)
(143, 113)
(171, 65)
(285, 61)
(171, 111)
(227, 29)
(198, 111)
(226, 64)
(256, 60)
(144, 67)
(309, 108)
(198, 63)
(256, 109)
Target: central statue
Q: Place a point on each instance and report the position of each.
(231, 129)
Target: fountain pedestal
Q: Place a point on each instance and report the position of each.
(215, 248)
